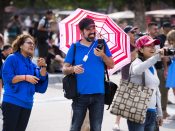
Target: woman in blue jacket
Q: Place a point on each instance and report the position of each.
(22, 78)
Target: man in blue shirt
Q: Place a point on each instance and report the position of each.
(89, 69)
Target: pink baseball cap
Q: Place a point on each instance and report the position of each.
(146, 41)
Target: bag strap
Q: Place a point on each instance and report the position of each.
(73, 62)
(143, 76)
(107, 75)
(106, 70)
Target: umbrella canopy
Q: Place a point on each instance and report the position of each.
(117, 40)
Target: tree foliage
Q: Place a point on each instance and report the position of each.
(107, 6)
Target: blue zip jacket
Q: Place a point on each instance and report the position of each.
(21, 93)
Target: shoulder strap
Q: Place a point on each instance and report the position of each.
(106, 70)
(73, 62)
(143, 75)
(45, 22)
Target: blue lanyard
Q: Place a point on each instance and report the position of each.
(151, 69)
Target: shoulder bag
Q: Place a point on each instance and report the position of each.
(131, 100)
(70, 83)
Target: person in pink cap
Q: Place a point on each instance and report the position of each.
(147, 57)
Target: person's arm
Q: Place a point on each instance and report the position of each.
(69, 69)
(106, 56)
(9, 73)
(142, 66)
(42, 64)
(0, 85)
(159, 107)
(28, 78)
(165, 61)
(108, 61)
(70, 57)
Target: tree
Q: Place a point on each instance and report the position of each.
(3, 4)
(139, 11)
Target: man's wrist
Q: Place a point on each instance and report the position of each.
(72, 71)
(44, 66)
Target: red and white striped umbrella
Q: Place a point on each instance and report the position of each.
(117, 40)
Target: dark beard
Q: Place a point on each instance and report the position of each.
(90, 39)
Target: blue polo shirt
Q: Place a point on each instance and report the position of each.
(91, 81)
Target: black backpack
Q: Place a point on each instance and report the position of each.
(43, 34)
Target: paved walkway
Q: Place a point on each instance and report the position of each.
(52, 111)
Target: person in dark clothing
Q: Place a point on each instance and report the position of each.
(33, 29)
(6, 50)
(14, 28)
(131, 31)
(44, 33)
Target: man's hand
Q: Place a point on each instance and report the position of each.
(78, 69)
(99, 52)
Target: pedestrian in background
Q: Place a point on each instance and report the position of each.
(89, 69)
(147, 57)
(14, 28)
(161, 65)
(21, 78)
(6, 51)
(131, 31)
(170, 82)
(44, 33)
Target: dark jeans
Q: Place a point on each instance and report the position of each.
(15, 118)
(149, 124)
(95, 104)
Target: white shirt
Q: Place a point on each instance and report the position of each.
(151, 80)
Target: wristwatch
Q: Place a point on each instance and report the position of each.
(44, 66)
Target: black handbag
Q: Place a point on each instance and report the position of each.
(70, 86)
(70, 83)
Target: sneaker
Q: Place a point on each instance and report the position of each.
(116, 127)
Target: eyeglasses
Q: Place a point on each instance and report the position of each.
(30, 43)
